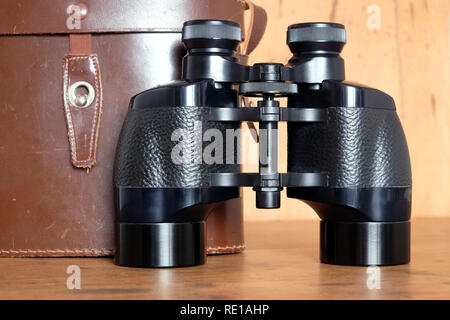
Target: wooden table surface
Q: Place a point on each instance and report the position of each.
(280, 262)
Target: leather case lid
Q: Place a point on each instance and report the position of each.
(56, 17)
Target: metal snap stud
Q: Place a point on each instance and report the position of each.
(81, 100)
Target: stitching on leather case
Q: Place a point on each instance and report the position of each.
(97, 251)
(52, 251)
(240, 246)
(98, 106)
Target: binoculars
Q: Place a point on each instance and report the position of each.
(178, 153)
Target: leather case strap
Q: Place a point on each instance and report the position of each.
(256, 27)
(253, 35)
(82, 100)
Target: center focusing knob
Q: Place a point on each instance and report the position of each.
(266, 72)
(265, 78)
(203, 34)
(316, 38)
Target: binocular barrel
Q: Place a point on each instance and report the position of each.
(347, 154)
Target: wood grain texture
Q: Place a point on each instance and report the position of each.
(281, 262)
(408, 57)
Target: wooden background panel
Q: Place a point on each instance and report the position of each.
(407, 57)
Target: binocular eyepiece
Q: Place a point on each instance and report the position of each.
(211, 34)
(316, 38)
(302, 38)
(315, 47)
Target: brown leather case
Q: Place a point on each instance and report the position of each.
(57, 142)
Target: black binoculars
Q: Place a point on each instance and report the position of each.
(178, 152)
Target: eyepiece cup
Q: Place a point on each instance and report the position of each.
(211, 29)
(316, 32)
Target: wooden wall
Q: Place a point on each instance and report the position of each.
(407, 57)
